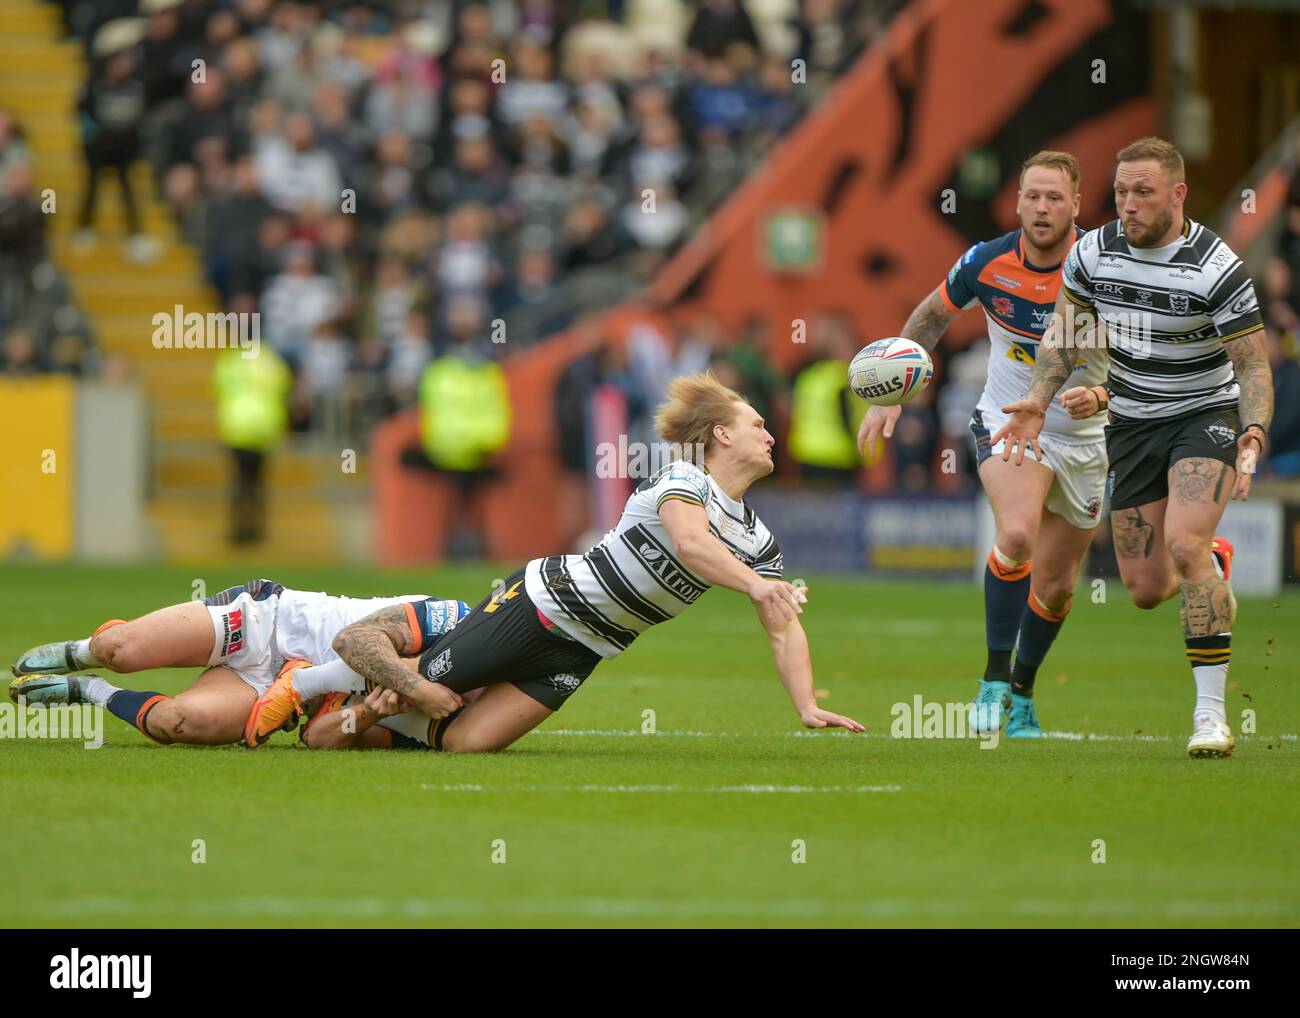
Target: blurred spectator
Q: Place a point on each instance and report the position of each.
(296, 301)
(747, 367)
(112, 105)
(252, 416)
(235, 218)
(21, 356)
(409, 355)
(464, 422)
(825, 412)
(295, 173)
(718, 25)
(1284, 436)
(915, 440)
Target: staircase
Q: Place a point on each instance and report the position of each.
(40, 74)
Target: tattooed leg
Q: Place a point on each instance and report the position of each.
(1144, 563)
(1208, 607)
(1199, 488)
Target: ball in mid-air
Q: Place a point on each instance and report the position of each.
(890, 371)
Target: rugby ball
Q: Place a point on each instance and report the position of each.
(890, 371)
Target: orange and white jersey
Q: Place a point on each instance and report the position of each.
(1018, 298)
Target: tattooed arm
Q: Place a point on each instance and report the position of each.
(1249, 356)
(374, 647)
(929, 320)
(1053, 364)
(925, 325)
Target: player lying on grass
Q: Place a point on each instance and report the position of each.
(242, 637)
(1044, 511)
(1190, 394)
(534, 641)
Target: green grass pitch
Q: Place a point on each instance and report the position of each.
(700, 823)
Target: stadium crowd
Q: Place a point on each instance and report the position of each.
(392, 183)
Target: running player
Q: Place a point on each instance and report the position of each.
(535, 640)
(1190, 394)
(242, 637)
(1045, 513)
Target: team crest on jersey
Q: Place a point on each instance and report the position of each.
(440, 665)
(1221, 434)
(1003, 306)
(1093, 508)
(1179, 303)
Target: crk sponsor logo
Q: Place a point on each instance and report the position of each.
(1003, 306)
(1221, 434)
(74, 971)
(440, 665)
(1179, 303)
(1109, 289)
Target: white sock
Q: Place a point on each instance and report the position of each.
(97, 691)
(336, 676)
(81, 651)
(1210, 683)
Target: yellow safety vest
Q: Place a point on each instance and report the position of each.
(464, 412)
(817, 433)
(252, 396)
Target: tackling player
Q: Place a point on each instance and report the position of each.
(1190, 394)
(242, 637)
(537, 638)
(1045, 513)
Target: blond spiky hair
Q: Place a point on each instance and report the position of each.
(696, 405)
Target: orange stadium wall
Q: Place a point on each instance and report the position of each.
(998, 79)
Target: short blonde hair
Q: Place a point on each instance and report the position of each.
(696, 405)
(1054, 160)
(1163, 152)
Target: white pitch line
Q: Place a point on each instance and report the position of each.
(673, 789)
(628, 733)
(1263, 910)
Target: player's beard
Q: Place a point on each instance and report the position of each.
(1056, 237)
(1150, 236)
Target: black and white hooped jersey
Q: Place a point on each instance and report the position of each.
(1168, 313)
(633, 579)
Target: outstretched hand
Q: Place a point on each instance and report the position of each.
(815, 717)
(1021, 431)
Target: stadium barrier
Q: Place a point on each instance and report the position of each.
(75, 473)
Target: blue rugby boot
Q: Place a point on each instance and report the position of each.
(986, 714)
(1022, 721)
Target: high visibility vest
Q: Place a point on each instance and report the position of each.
(464, 412)
(818, 436)
(252, 398)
